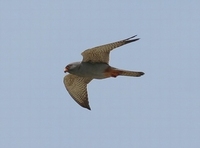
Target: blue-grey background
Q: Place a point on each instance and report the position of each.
(159, 110)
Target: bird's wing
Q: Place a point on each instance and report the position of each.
(101, 53)
(77, 88)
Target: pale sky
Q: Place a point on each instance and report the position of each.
(158, 110)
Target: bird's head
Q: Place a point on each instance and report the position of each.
(71, 67)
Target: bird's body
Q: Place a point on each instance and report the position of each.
(93, 66)
(99, 70)
(88, 69)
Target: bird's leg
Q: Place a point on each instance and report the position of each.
(112, 72)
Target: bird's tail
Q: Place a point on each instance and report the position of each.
(119, 72)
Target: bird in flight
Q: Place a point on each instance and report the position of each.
(94, 65)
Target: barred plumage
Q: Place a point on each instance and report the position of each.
(101, 53)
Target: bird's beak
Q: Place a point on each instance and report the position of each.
(65, 70)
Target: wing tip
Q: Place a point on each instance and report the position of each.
(128, 40)
(87, 107)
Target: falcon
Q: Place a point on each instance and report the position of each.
(94, 65)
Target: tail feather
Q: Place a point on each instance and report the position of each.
(119, 72)
(131, 73)
(114, 72)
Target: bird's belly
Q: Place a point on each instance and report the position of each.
(94, 70)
